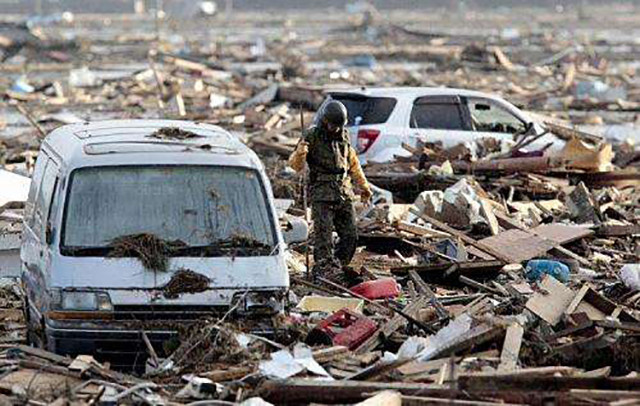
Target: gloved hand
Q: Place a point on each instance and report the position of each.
(366, 195)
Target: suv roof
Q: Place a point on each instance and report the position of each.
(100, 139)
(411, 92)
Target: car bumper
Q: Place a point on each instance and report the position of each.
(122, 349)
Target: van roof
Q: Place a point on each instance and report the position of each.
(114, 140)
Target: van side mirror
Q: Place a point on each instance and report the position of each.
(48, 234)
(296, 230)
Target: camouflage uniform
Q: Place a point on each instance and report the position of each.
(333, 164)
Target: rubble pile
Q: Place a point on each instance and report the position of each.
(492, 272)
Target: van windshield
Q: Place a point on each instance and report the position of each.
(199, 210)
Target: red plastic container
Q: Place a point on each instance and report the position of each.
(378, 289)
(344, 327)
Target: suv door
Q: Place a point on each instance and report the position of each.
(442, 119)
(490, 119)
(452, 120)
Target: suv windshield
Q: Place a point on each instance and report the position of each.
(371, 110)
(203, 210)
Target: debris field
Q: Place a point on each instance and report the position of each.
(493, 273)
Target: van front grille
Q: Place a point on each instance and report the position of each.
(165, 312)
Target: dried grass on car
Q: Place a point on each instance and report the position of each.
(151, 250)
(173, 133)
(185, 281)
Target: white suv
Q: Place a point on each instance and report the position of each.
(382, 119)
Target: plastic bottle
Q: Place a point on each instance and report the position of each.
(378, 289)
(536, 268)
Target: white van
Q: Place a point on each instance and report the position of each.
(198, 191)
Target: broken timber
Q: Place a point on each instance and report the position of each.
(424, 288)
(507, 223)
(483, 247)
(392, 326)
(471, 268)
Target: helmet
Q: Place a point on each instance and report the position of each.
(334, 113)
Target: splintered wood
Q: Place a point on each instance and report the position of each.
(551, 300)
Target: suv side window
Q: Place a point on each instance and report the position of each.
(439, 113)
(43, 199)
(488, 116)
(370, 110)
(36, 179)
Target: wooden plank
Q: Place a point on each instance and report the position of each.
(551, 302)
(46, 355)
(386, 398)
(419, 230)
(445, 370)
(597, 373)
(486, 211)
(635, 327)
(303, 391)
(463, 268)
(509, 224)
(391, 326)
(617, 230)
(567, 133)
(424, 288)
(562, 233)
(596, 306)
(230, 374)
(511, 348)
(416, 370)
(475, 284)
(543, 383)
(600, 394)
(517, 246)
(423, 367)
(481, 304)
(475, 337)
(468, 240)
(425, 400)
(329, 354)
(528, 372)
(562, 251)
(577, 299)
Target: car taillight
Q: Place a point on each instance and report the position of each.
(366, 138)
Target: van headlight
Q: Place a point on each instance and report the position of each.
(79, 300)
(259, 302)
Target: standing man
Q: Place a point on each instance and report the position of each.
(333, 164)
